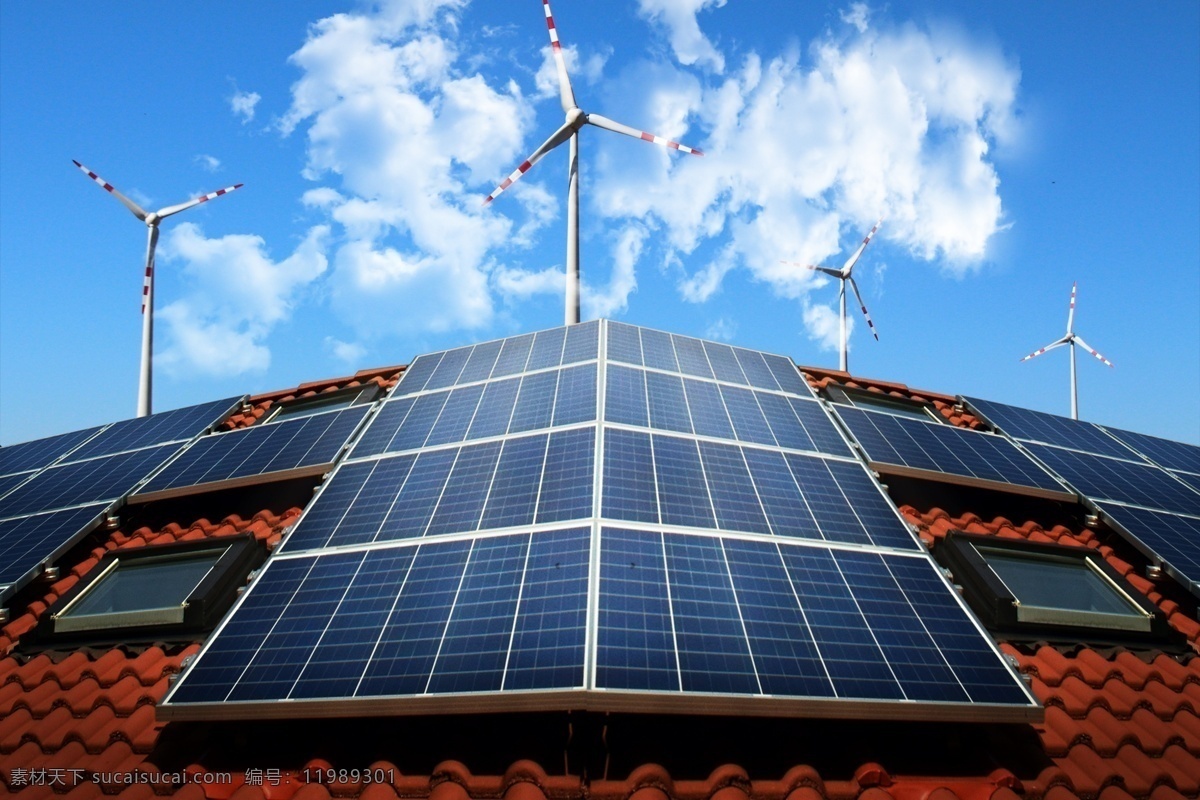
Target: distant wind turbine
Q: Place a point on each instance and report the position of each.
(844, 275)
(576, 119)
(1072, 339)
(152, 220)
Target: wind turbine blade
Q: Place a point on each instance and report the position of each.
(1050, 346)
(108, 187)
(850, 262)
(565, 93)
(1085, 346)
(610, 125)
(1071, 313)
(148, 279)
(169, 210)
(558, 137)
(863, 306)
(831, 272)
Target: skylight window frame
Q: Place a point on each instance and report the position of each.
(884, 403)
(323, 403)
(200, 610)
(1001, 610)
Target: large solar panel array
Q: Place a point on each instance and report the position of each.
(889, 441)
(65, 484)
(242, 455)
(1148, 487)
(600, 517)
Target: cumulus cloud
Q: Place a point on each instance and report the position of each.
(804, 153)
(588, 70)
(207, 162)
(406, 141)
(613, 299)
(678, 18)
(722, 329)
(243, 104)
(858, 15)
(236, 294)
(824, 326)
(350, 353)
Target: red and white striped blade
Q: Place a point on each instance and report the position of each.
(1071, 313)
(1050, 346)
(831, 272)
(565, 93)
(610, 125)
(148, 279)
(1085, 346)
(169, 210)
(863, 306)
(108, 187)
(850, 262)
(558, 137)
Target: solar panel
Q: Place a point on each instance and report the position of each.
(287, 446)
(682, 613)
(466, 545)
(178, 425)
(1173, 539)
(28, 542)
(1101, 478)
(1176, 456)
(891, 441)
(39, 453)
(1038, 426)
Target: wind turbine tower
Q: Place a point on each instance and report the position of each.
(1072, 339)
(152, 220)
(576, 119)
(844, 276)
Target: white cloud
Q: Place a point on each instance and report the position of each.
(801, 158)
(350, 353)
(722, 329)
(613, 299)
(207, 162)
(243, 104)
(678, 17)
(235, 296)
(858, 15)
(587, 71)
(411, 142)
(520, 284)
(824, 326)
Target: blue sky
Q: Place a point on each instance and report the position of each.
(1014, 148)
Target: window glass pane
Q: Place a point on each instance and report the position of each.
(144, 585)
(899, 408)
(309, 406)
(1056, 584)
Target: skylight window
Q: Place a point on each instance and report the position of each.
(155, 591)
(874, 401)
(1017, 586)
(319, 404)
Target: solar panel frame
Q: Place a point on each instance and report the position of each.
(29, 543)
(1098, 477)
(1170, 540)
(176, 425)
(28, 457)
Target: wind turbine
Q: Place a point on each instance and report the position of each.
(576, 119)
(844, 275)
(152, 220)
(1072, 339)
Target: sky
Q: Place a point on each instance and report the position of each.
(1011, 148)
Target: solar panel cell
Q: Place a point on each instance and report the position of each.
(535, 402)
(682, 489)
(567, 479)
(1109, 479)
(624, 344)
(708, 414)
(576, 400)
(692, 360)
(724, 363)
(167, 426)
(512, 498)
(480, 363)
(417, 374)
(748, 421)
(26, 456)
(658, 351)
(461, 503)
(583, 343)
(26, 541)
(756, 370)
(456, 416)
(1174, 538)
(547, 349)
(668, 405)
(513, 356)
(448, 369)
(1164, 452)
(495, 409)
(629, 488)
(625, 396)
(732, 489)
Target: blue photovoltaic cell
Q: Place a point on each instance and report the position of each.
(709, 417)
(417, 374)
(682, 490)
(625, 396)
(1038, 426)
(383, 427)
(262, 449)
(8, 482)
(820, 428)
(461, 503)
(748, 420)
(513, 356)
(1164, 452)
(450, 617)
(395, 429)
(535, 402)
(583, 343)
(495, 409)
(756, 369)
(513, 496)
(456, 416)
(547, 349)
(1174, 538)
(784, 424)
(83, 482)
(448, 369)
(567, 479)
(351, 509)
(749, 617)
(668, 405)
(692, 360)
(1188, 478)
(629, 488)
(724, 363)
(624, 344)
(26, 541)
(40, 452)
(657, 350)
(576, 400)
(788, 376)
(786, 510)
(166, 426)
(479, 365)
(732, 489)
(1102, 478)
(889, 439)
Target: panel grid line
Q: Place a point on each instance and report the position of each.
(450, 617)
(737, 604)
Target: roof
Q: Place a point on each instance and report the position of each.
(1119, 722)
